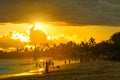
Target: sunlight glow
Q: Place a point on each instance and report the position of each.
(29, 47)
(41, 60)
(40, 26)
(41, 69)
(28, 32)
(18, 36)
(23, 74)
(36, 71)
(37, 26)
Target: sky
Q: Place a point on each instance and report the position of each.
(75, 12)
(61, 20)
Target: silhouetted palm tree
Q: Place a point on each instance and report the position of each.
(91, 42)
(115, 38)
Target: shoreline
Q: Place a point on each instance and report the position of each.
(32, 72)
(40, 71)
(95, 70)
(21, 66)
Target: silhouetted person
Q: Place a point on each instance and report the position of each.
(65, 61)
(57, 66)
(52, 64)
(36, 64)
(69, 61)
(47, 67)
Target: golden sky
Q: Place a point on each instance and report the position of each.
(74, 33)
(60, 20)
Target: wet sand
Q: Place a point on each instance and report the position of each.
(95, 70)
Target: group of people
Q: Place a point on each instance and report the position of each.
(69, 62)
(46, 64)
(49, 63)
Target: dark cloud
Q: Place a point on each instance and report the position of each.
(79, 12)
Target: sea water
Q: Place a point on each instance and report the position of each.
(15, 66)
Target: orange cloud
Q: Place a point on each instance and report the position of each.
(6, 41)
(37, 36)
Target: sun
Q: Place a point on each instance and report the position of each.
(38, 26)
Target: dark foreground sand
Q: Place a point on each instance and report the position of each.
(96, 70)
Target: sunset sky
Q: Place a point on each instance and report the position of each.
(74, 33)
(61, 20)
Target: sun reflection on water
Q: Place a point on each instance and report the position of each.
(41, 60)
(37, 71)
(31, 72)
(23, 74)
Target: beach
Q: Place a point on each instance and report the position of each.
(93, 70)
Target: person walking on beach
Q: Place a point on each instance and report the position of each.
(47, 67)
(36, 64)
(69, 61)
(52, 64)
(65, 61)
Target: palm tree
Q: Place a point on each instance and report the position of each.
(91, 42)
(115, 38)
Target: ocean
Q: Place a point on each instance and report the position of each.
(15, 66)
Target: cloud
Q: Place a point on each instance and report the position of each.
(40, 36)
(6, 41)
(79, 12)
(34, 35)
(37, 36)
(16, 39)
(106, 14)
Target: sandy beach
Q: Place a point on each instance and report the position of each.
(96, 70)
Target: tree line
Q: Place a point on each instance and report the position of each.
(90, 50)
